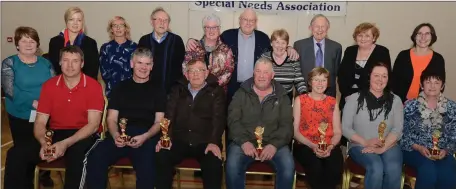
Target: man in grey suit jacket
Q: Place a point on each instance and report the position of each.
(318, 50)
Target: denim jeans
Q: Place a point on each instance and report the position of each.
(237, 163)
(382, 170)
(439, 174)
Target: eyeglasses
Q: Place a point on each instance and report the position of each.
(211, 28)
(118, 26)
(427, 34)
(196, 71)
(160, 20)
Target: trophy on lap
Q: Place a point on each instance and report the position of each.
(381, 132)
(123, 127)
(49, 152)
(164, 139)
(259, 137)
(322, 145)
(435, 150)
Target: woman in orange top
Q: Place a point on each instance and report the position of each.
(317, 131)
(410, 63)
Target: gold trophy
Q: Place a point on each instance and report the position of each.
(435, 150)
(322, 145)
(123, 127)
(381, 132)
(164, 139)
(49, 152)
(259, 138)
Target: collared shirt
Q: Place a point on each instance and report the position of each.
(161, 39)
(68, 108)
(246, 56)
(322, 49)
(195, 92)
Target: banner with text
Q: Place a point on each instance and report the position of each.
(338, 8)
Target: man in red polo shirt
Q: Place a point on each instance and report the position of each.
(73, 103)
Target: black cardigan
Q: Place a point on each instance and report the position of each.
(346, 72)
(88, 47)
(403, 71)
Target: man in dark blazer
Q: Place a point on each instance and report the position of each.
(318, 50)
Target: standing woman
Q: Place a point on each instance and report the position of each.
(22, 77)
(353, 71)
(74, 34)
(410, 63)
(115, 55)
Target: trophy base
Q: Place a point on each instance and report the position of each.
(125, 138)
(165, 143)
(434, 152)
(259, 150)
(323, 147)
(49, 153)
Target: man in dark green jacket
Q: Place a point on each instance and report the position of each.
(260, 102)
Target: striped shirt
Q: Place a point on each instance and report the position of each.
(288, 74)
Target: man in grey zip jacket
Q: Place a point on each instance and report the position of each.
(261, 101)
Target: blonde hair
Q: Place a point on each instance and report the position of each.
(280, 34)
(127, 27)
(316, 72)
(73, 10)
(364, 27)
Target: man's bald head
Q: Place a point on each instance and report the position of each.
(248, 21)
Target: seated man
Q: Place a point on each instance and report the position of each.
(73, 103)
(197, 112)
(143, 107)
(261, 101)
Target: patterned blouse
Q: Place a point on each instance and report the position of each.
(220, 61)
(415, 132)
(313, 112)
(115, 62)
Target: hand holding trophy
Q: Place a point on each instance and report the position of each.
(49, 152)
(123, 127)
(322, 145)
(381, 132)
(435, 150)
(164, 139)
(259, 137)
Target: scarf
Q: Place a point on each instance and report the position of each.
(375, 106)
(432, 117)
(77, 41)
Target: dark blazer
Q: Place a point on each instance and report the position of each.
(403, 71)
(201, 120)
(332, 56)
(230, 38)
(88, 47)
(346, 72)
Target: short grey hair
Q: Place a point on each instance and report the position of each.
(142, 52)
(211, 17)
(318, 16)
(266, 61)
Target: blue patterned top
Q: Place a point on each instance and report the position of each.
(115, 62)
(415, 132)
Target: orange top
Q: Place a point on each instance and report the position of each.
(313, 112)
(419, 63)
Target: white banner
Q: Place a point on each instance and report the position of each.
(307, 7)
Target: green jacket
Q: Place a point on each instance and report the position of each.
(246, 112)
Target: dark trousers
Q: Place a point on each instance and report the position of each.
(107, 153)
(322, 173)
(211, 166)
(22, 157)
(74, 157)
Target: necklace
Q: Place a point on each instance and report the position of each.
(30, 64)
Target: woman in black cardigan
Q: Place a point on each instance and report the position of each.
(414, 60)
(74, 34)
(353, 71)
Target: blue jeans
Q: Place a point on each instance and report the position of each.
(382, 170)
(439, 174)
(106, 153)
(237, 163)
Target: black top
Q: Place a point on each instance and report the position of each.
(168, 58)
(138, 102)
(403, 71)
(348, 68)
(88, 47)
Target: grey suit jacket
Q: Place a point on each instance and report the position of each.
(332, 57)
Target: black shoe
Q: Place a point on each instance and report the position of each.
(407, 186)
(46, 181)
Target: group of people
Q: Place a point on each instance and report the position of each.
(277, 104)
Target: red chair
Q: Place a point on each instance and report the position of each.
(188, 164)
(263, 168)
(299, 171)
(122, 163)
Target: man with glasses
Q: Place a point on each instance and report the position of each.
(197, 114)
(168, 50)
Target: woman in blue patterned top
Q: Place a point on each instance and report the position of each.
(115, 55)
(431, 113)
(22, 77)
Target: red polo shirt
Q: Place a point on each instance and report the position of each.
(68, 108)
